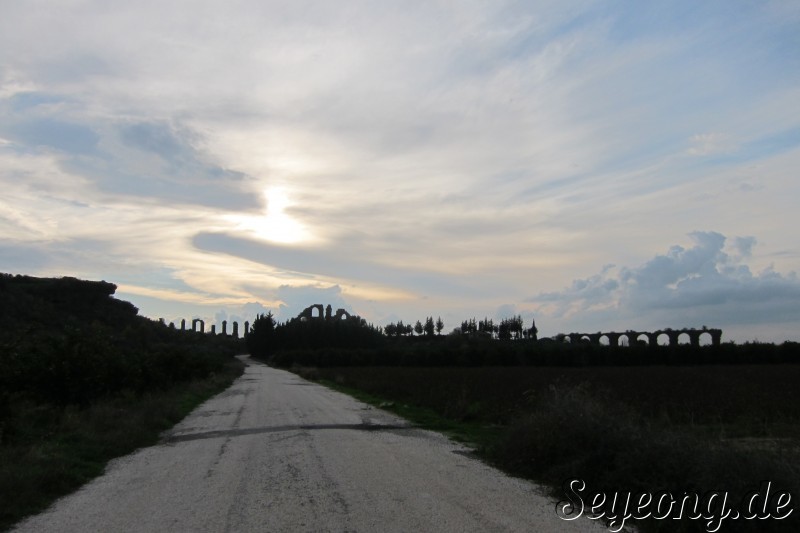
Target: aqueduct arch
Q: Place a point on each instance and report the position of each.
(308, 312)
(674, 337)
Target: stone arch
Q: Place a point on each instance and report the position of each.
(198, 322)
(313, 312)
(704, 338)
(341, 314)
(662, 337)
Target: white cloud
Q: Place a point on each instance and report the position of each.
(685, 287)
(704, 144)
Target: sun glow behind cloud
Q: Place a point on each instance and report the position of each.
(276, 225)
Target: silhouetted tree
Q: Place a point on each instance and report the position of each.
(486, 326)
(469, 327)
(429, 327)
(504, 330)
(261, 339)
(533, 332)
(418, 329)
(439, 326)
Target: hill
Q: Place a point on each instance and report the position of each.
(84, 378)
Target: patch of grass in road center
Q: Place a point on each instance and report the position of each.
(56, 450)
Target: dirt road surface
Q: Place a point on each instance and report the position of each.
(277, 453)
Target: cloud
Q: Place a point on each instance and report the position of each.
(705, 144)
(53, 133)
(435, 155)
(679, 288)
(150, 159)
(337, 263)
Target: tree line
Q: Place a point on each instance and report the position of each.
(507, 329)
(399, 329)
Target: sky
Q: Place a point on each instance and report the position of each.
(592, 165)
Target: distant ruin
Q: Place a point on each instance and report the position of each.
(319, 312)
(631, 338)
(199, 326)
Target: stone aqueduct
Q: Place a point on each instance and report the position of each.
(319, 312)
(650, 338)
(199, 325)
(312, 312)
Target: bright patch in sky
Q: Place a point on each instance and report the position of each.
(593, 165)
(276, 225)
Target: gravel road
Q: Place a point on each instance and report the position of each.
(277, 453)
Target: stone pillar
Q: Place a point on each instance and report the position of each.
(632, 338)
(613, 339)
(235, 330)
(246, 329)
(224, 327)
(673, 337)
(213, 329)
(694, 338)
(328, 312)
(183, 324)
(716, 337)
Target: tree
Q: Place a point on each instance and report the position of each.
(439, 326)
(418, 328)
(486, 326)
(261, 339)
(504, 331)
(429, 327)
(469, 326)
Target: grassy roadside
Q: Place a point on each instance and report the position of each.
(477, 435)
(671, 429)
(56, 450)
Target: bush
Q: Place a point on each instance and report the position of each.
(573, 433)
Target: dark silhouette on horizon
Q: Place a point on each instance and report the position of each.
(633, 337)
